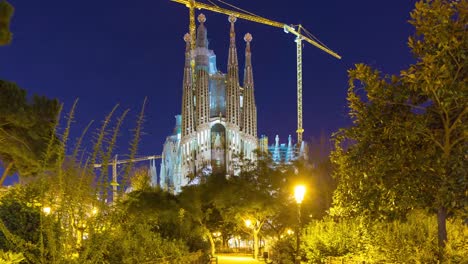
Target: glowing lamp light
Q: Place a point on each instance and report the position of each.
(46, 210)
(248, 223)
(299, 192)
(94, 211)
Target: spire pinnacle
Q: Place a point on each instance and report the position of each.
(248, 74)
(187, 37)
(201, 18)
(187, 40)
(232, 19)
(248, 38)
(202, 40)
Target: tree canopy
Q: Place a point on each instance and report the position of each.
(407, 146)
(27, 130)
(6, 12)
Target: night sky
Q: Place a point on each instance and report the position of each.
(117, 52)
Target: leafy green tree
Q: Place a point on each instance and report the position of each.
(140, 179)
(6, 12)
(407, 146)
(260, 199)
(27, 130)
(165, 212)
(200, 203)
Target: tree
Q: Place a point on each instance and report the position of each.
(407, 146)
(140, 179)
(27, 131)
(6, 12)
(259, 198)
(199, 203)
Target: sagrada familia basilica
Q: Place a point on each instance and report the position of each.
(219, 116)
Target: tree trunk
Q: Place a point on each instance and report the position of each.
(255, 245)
(5, 173)
(212, 244)
(442, 228)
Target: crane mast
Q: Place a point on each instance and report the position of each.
(192, 4)
(299, 130)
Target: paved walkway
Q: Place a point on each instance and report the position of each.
(237, 259)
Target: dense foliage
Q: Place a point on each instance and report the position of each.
(409, 241)
(61, 215)
(407, 146)
(6, 12)
(26, 131)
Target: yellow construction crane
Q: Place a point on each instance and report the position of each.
(192, 5)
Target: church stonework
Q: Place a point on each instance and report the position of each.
(219, 117)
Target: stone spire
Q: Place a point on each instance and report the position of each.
(188, 118)
(249, 121)
(202, 39)
(232, 82)
(276, 151)
(248, 73)
(201, 74)
(289, 150)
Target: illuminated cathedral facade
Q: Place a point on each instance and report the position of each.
(219, 116)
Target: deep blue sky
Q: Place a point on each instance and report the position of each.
(107, 52)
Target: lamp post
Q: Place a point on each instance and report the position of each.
(299, 192)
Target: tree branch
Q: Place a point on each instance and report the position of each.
(5, 172)
(459, 117)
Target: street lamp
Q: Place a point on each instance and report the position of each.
(299, 192)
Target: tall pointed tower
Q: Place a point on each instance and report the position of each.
(188, 115)
(233, 101)
(249, 108)
(232, 82)
(202, 101)
(188, 135)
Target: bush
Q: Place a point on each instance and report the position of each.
(138, 243)
(10, 257)
(284, 250)
(329, 238)
(413, 240)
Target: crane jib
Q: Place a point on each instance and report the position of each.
(258, 19)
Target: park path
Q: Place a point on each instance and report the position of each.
(236, 259)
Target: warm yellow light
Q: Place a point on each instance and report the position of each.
(94, 211)
(248, 223)
(289, 232)
(46, 210)
(299, 192)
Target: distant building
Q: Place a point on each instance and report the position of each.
(283, 152)
(219, 117)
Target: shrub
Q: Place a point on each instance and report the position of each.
(413, 240)
(10, 257)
